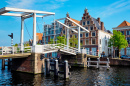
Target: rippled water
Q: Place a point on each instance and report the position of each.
(116, 76)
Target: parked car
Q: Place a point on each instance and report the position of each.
(125, 57)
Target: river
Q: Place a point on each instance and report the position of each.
(116, 75)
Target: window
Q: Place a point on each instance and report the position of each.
(128, 40)
(91, 28)
(84, 17)
(83, 23)
(127, 32)
(87, 28)
(81, 42)
(87, 41)
(75, 35)
(81, 29)
(93, 33)
(93, 41)
(63, 31)
(100, 41)
(86, 34)
(88, 22)
(70, 36)
(105, 37)
(87, 50)
(122, 32)
(106, 42)
(69, 24)
(81, 35)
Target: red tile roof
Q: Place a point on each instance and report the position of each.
(39, 36)
(75, 21)
(124, 23)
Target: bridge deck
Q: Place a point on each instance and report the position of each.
(20, 55)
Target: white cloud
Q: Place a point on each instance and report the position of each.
(34, 4)
(20, 3)
(115, 7)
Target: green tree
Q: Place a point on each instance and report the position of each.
(118, 41)
(61, 39)
(16, 45)
(73, 41)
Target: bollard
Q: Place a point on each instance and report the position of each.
(66, 69)
(88, 62)
(56, 68)
(108, 63)
(47, 67)
(97, 62)
(3, 64)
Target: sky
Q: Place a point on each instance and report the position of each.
(111, 12)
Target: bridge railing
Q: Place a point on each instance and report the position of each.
(4, 50)
(48, 47)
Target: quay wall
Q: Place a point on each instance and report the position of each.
(117, 62)
(31, 64)
(79, 60)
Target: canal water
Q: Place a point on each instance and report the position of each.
(116, 76)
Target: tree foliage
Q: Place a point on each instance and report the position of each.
(73, 41)
(60, 39)
(118, 40)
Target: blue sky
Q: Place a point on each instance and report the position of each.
(111, 12)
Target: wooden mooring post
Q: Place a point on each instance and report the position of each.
(56, 66)
(3, 64)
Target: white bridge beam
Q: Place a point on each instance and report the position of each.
(66, 26)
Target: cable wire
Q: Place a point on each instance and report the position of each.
(27, 30)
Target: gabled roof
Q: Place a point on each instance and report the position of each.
(124, 23)
(75, 21)
(39, 36)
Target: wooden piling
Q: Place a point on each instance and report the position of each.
(98, 63)
(3, 64)
(47, 67)
(56, 68)
(66, 69)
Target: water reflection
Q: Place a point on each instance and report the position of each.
(79, 77)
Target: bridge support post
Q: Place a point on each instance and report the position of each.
(22, 33)
(47, 67)
(66, 69)
(3, 64)
(79, 39)
(67, 38)
(56, 68)
(34, 29)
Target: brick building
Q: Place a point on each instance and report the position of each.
(124, 28)
(96, 39)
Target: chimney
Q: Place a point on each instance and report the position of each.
(86, 10)
(67, 15)
(102, 26)
(98, 19)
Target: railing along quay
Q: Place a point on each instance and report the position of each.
(98, 62)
